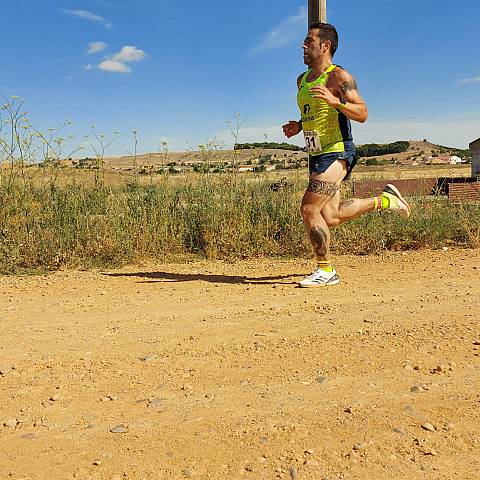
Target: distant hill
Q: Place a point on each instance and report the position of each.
(399, 152)
(369, 149)
(408, 152)
(427, 148)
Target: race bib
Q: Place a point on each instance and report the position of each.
(312, 142)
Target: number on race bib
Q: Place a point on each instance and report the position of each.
(312, 141)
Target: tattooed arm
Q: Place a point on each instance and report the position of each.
(341, 92)
(350, 102)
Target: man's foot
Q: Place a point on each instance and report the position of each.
(320, 278)
(393, 199)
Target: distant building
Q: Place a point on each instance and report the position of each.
(454, 160)
(475, 149)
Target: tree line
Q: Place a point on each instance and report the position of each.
(271, 145)
(377, 149)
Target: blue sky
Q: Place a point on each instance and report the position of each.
(179, 70)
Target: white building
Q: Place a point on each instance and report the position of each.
(475, 149)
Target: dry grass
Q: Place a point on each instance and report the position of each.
(63, 219)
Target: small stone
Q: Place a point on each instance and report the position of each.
(360, 446)
(148, 358)
(55, 398)
(428, 426)
(348, 410)
(97, 462)
(309, 451)
(119, 429)
(11, 423)
(475, 342)
(400, 431)
(321, 380)
(430, 451)
(155, 403)
(447, 426)
(310, 463)
(187, 472)
(416, 389)
(4, 369)
(438, 369)
(293, 473)
(28, 436)
(263, 440)
(90, 426)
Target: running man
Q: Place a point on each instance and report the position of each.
(328, 99)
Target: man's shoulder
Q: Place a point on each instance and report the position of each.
(300, 78)
(341, 74)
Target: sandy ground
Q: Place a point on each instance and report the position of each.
(228, 371)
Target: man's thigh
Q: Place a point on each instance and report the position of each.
(323, 187)
(330, 209)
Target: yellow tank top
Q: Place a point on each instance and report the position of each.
(326, 130)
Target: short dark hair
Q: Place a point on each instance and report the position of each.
(326, 32)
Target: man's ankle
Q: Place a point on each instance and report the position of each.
(325, 265)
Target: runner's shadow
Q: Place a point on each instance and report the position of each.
(168, 277)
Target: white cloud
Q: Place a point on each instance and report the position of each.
(470, 80)
(114, 66)
(86, 15)
(118, 61)
(88, 67)
(129, 54)
(286, 32)
(96, 47)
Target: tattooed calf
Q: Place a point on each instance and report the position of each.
(322, 187)
(318, 237)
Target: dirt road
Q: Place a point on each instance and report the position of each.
(227, 371)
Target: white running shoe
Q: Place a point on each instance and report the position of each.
(320, 278)
(396, 201)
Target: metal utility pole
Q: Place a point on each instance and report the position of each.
(317, 11)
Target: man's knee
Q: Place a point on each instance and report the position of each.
(330, 219)
(308, 211)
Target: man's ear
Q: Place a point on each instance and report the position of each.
(326, 46)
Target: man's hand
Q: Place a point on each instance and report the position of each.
(291, 128)
(320, 91)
